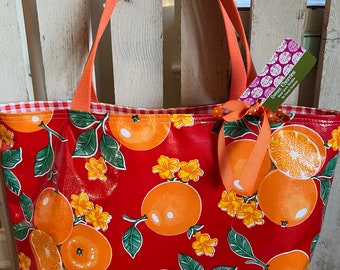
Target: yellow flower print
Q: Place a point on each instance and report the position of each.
(93, 214)
(24, 261)
(250, 214)
(204, 245)
(98, 218)
(166, 167)
(96, 169)
(190, 170)
(230, 203)
(182, 120)
(81, 204)
(335, 141)
(6, 136)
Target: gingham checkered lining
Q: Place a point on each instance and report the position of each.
(34, 106)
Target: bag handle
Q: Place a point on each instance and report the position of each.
(240, 76)
(85, 92)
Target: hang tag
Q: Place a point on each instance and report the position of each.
(280, 76)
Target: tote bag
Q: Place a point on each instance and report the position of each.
(96, 186)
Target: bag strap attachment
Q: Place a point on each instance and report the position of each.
(240, 77)
(85, 92)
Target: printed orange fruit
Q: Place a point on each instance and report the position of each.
(27, 122)
(287, 201)
(45, 251)
(292, 260)
(140, 132)
(297, 151)
(53, 214)
(237, 154)
(86, 248)
(171, 208)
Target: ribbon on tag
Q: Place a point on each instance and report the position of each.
(236, 110)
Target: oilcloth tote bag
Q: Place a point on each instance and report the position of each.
(68, 178)
(98, 186)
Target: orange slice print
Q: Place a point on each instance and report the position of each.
(87, 249)
(287, 201)
(297, 151)
(171, 208)
(45, 251)
(140, 132)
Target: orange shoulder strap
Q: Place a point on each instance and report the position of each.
(85, 92)
(240, 77)
(231, 9)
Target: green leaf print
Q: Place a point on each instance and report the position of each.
(12, 182)
(109, 149)
(11, 158)
(194, 229)
(43, 161)
(325, 179)
(26, 206)
(325, 189)
(82, 119)
(241, 247)
(188, 263)
(87, 144)
(254, 120)
(236, 129)
(45, 157)
(225, 268)
(314, 242)
(217, 127)
(132, 241)
(330, 168)
(21, 230)
(239, 244)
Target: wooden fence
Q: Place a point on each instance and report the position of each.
(169, 53)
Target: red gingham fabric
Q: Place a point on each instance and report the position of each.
(34, 106)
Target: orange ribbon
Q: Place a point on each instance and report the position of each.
(236, 110)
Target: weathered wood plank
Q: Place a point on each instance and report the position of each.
(5, 262)
(329, 60)
(326, 254)
(328, 249)
(9, 256)
(204, 57)
(172, 53)
(4, 256)
(271, 22)
(34, 49)
(137, 53)
(63, 27)
(16, 84)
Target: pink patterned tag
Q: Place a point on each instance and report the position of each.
(275, 71)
